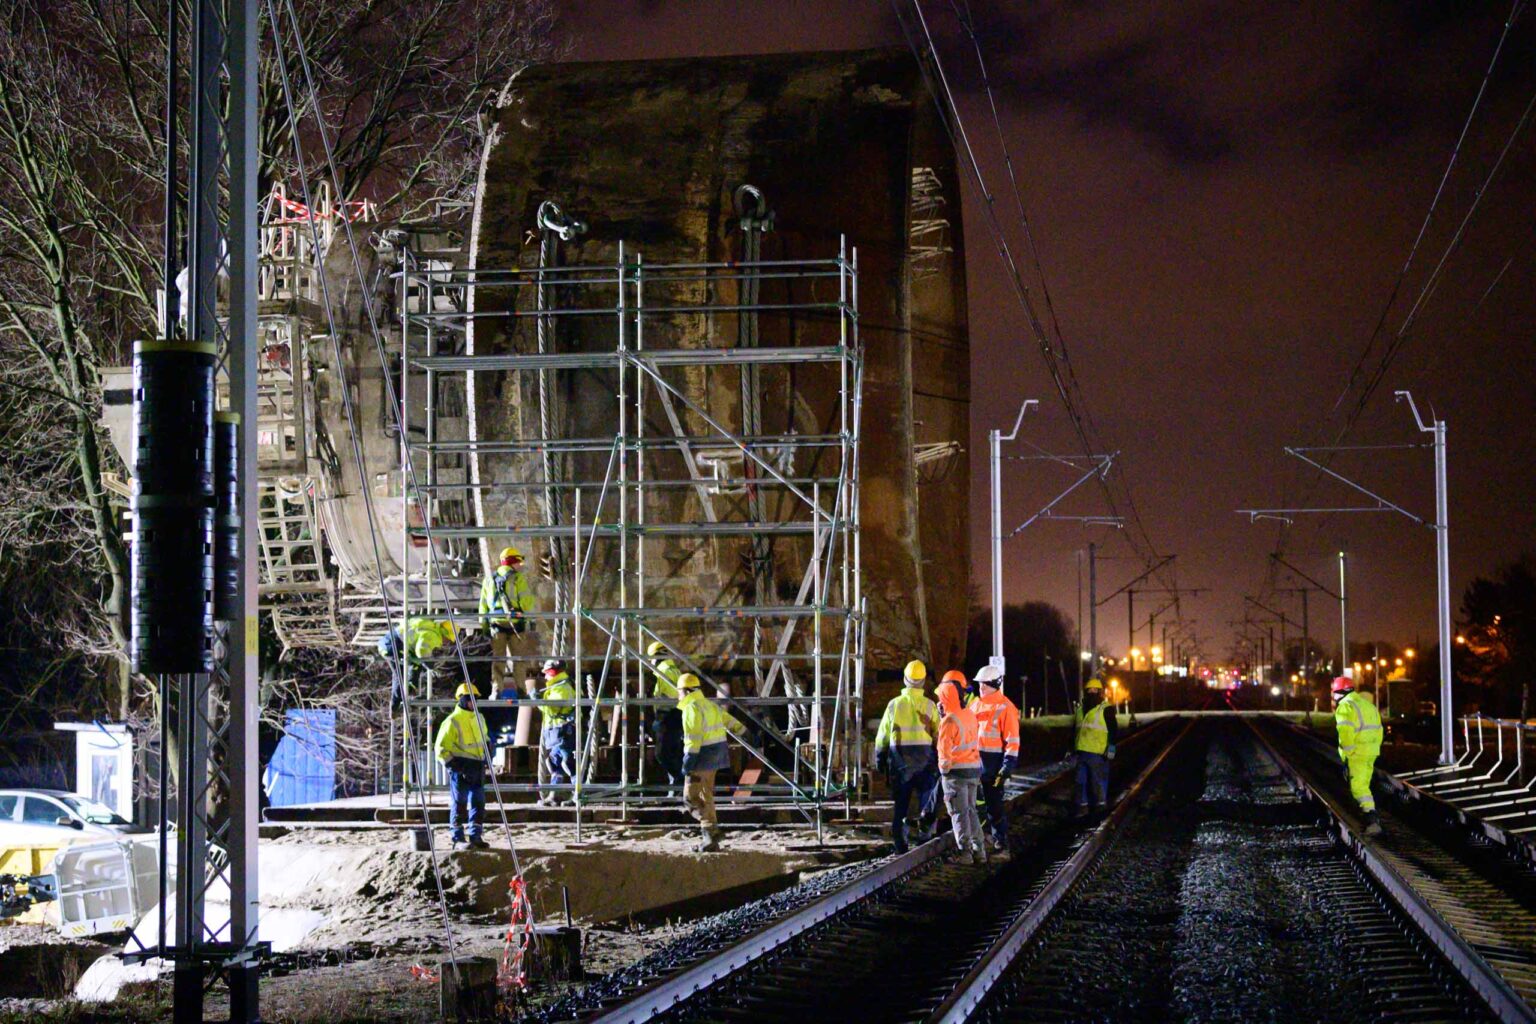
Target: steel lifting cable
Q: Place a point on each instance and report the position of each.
(554, 227)
(392, 396)
(351, 416)
(754, 219)
(396, 413)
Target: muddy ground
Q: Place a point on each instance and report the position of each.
(378, 953)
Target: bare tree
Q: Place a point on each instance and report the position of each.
(82, 96)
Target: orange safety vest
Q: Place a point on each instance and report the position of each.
(999, 722)
(959, 741)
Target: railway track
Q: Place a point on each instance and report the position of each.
(1476, 897)
(810, 962)
(1222, 895)
(1229, 883)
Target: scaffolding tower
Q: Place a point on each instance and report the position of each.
(617, 435)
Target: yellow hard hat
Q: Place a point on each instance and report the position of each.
(656, 648)
(688, 681)
(1094, 684)
(466, 690)
(447, 627)
(915, 671)
(510, 553)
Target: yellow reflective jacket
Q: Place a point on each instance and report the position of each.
(506, 590)
(558, 701)
(422, 638)
(705, 725)
(667, 674)
(1359, 725)
(908, 730)
(1092, 730)
(462, 734)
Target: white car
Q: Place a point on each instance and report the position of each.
(54, 817)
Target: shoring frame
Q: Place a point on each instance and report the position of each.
(833, 569)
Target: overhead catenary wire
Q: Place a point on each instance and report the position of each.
(1434, 203)
(967, 24)
(1431, 283)
(1055, 354)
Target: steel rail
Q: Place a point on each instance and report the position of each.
(1490, 986)
(661, 998)
(656, 1000)
(652, 1002)
(978, 982)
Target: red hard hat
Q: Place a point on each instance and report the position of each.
(1343, 684)
(955, 676)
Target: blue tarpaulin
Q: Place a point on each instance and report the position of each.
(303, 768)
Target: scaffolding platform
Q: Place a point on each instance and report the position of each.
(668, 487)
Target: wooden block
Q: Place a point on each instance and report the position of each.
(555, 954)
(748, 777)
(470, 993)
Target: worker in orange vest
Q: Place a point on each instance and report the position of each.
(960, 772)
(998, 720)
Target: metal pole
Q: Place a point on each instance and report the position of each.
(1079, 621)
(622, 711)
(995, 439)
(576, 674)
(995, 442)
(1343, 615)
(1306, 645)
(1093, 613)
(243, 973)
(1130, 627)
(1442, 572)
(1443, 588)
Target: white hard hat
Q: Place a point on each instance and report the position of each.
(989, 674)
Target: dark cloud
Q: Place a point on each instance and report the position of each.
(1220, 80)
(1121, 81)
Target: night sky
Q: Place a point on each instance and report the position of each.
(1223, 195)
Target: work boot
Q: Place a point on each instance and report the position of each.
(1372, 823)
(981, 853)
(545, 799)
(476, 843)
(708, 843)
(459, 844)
(965, 858)
(994, 843)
